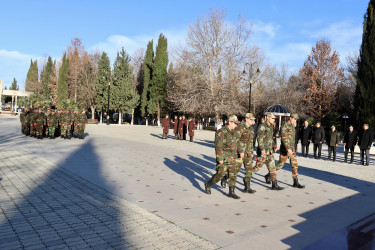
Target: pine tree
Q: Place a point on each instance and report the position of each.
(14, 85)
(46, 78)
(147, 76)
(101, 83)
(32, 82)
(365, 89)
(124, 96)
(62, 84)
(158, 83)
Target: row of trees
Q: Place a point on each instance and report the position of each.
(205, 78)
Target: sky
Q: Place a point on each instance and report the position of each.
(285, 30)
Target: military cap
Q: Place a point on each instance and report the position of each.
(294, 115)
(250, 116)
(271, 115)
(233, 118)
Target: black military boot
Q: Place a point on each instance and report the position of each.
(247, 188)
(232, 194)
(267, 177)
(275, 186)
(207, 187)
(296, 183)
(223, 181)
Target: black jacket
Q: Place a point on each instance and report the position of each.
(333, 138)
(365, 140)
(305, 134)
(318, 135)
(350, 138)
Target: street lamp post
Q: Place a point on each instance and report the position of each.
(345, 116)
(252, 67)
(109, 87)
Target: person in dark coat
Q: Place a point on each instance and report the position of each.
(305, 135)
(180, 128)
(332, 142)
(191, 127)
(184, 123)
(364, 143)
(165, 125)
(350, 140)
(318, 139)
(175, 127)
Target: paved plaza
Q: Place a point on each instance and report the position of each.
(123, 187)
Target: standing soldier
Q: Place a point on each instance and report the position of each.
(184, 124)
(27, 122)
(22, 120)
(41, 122)
(165, 126)
(318, 139)
(75, 121)
(350, 140)
(266, 148)
(245, 133)
(51, 123)
(333, 142)
(305, 134)
(175, 127)
(180, 128)
(69, 122)
(226, 150)
(191, 127)
(287, 148)
(81, 123)
(32, 123)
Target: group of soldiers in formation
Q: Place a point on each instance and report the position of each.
(181, 125)
(234, 146)
(50, 123)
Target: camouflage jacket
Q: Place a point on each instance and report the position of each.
(51, 120)
(288, 135)
(41, 119)
(225, 143)
(82, 119)
(265, 137)
(245, 137)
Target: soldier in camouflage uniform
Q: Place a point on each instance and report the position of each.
(41, 122)
(245, 133)
(226, 155)
(75, 118)
(81, 123)
(22, 120)
(266, 147)
(287, 148)
(51, 123)
(32, 123)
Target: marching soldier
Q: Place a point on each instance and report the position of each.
(226, 150)
(266, 148)
(287, 148)
(245, 133)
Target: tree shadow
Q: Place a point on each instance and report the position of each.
(59, 208)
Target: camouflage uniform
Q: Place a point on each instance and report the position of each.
(266, 143)
(81, 123)
(288, 134)
(22, 120)
(52, 124)
(246, 137)
(41, 121)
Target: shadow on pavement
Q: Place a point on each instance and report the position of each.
(62, 209)
(160, 136)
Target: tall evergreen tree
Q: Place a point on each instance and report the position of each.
(46, 78)
(62, 84)
(147, 76)
(101, 83)
(158, 83)
(365, 89)
(123, 95)
(32, 78)
(14, 85)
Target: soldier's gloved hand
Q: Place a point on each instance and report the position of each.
(242, 155)
(290, 152)
(221, 162)
(263, 152)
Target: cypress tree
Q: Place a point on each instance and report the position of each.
(158, 84)
(46, 78)
(101, 83)
(32, 83)
(147, 76)
(365, 89)
(124, 96)
(62, 84)
(14, 85)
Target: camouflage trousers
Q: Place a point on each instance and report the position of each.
(65, 129)
(293, 162)
(248, 164)
(51, 130)
(80, 129)
(221, 169)
(233, 171)
(270, 162)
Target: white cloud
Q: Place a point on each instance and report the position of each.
(262, 29)
(14, 64)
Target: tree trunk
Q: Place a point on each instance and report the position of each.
(119, 117)
(101, 117)
(132, 120)
(158, 114)
(92, 112)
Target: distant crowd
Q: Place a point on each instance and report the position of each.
(50, 123)
(181, 126)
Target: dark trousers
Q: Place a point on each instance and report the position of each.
(363, 152)
(305, 149)
(319, 147)
(330, 149)
(351, 153)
